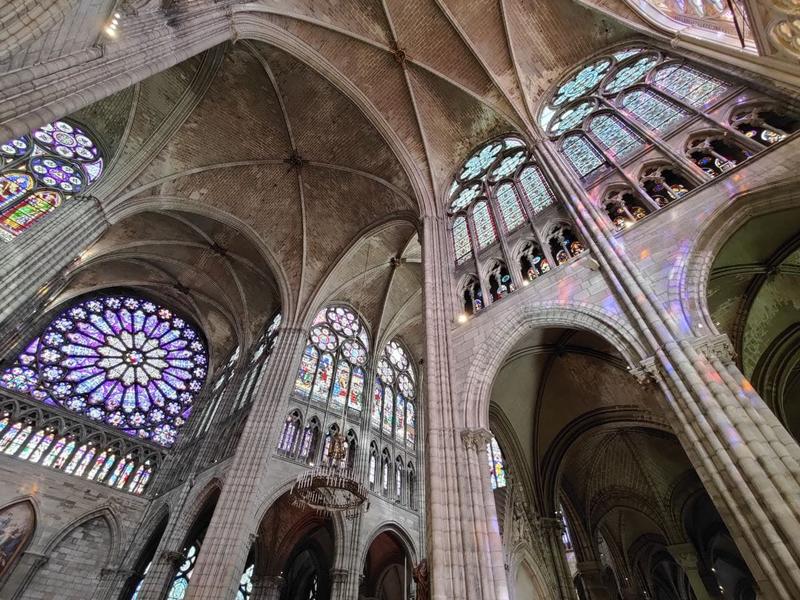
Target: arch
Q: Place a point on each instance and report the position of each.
(488, 359)
(689, 289)
(100, 547)
(109, 516)
(397, 530)
(18, 526)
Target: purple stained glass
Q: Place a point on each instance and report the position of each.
(120, 360)
(54, 172)
(14, 149)
(70, 141)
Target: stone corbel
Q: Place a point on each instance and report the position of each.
(476, 439)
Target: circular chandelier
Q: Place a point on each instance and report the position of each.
(331, 488)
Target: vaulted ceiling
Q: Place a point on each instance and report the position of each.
(322, 155)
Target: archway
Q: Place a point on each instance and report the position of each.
(387, 569)
(294, 553)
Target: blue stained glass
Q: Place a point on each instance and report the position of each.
(508, 165)
(654, 111)
(461, 242)
(584, 81)
(688, 84)
(538, 193)
(484, 226)
(582, 155)
(630, 74)
(623, 54)
(465, 197)
(99, 366)
(509, 206)
(571, 117)
(615, 136)
(480, 162)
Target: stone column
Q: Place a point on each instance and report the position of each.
(340, 582)
(554, 548)
(488, 546)
(227, 542)
(267, 587)
(159, 576)
(34, 263)
(686, 557)
(591, 574)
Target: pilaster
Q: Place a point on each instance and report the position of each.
(552, 529)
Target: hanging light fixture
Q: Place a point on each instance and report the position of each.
(331, 487)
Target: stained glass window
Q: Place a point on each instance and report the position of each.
(400, 417)
(658, 113)
(538, 193)
(627, 53)
(582, 155)
(461, 241)
(615, 136)
(484, 225)
(180, 583)
(245, 590)
(571, 117)
(39, 171)
(688, 84)
(509, 206)
(633, 73)
(119, 359)
(584, 81)
(497, 464)
(332, 365)
(388, 411)
(499, 171)
(393, 412)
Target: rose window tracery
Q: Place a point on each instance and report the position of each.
(122, 360)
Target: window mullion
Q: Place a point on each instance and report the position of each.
(501, 231)
(526, 203)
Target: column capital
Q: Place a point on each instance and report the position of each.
(339, 575)
(715, 346)
(476, 439)
(685, 555)
(648, 371)
(173, 557)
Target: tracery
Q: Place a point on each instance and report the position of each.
(39, 171)
(638, 103)
(332, 367)
(119, 359)
(499, 199)
(393, 410)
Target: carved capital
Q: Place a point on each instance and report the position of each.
(716, 346)
(476, 439)
(173, 557)
(339, 576)
(648, 372)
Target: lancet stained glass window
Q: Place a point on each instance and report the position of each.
(120, 359)
(332, 366)
(612, 133)
(688, 84)
(396, 380)
(582, 154)
(656, 112)
(39, 171)
(499, 185)
(497, 464)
